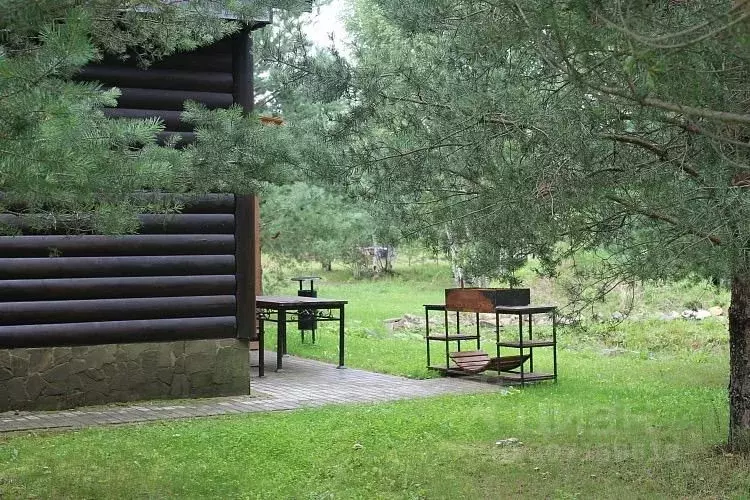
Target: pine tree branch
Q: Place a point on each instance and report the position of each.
(695, 129)
(637, 141)
(657, 216)
(709, 114)
(653, 147)
(415, 101)
(651, 42)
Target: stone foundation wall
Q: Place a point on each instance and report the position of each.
(54, 378)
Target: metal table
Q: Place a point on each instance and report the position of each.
(283, 309)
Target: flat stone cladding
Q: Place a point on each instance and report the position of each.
(55, 378)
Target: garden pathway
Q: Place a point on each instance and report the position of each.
(303, 383)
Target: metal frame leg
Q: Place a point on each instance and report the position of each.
(261, 347)
(478, 340)
(280, 338)
(427, 333)
(341, 337)
(531, 350)
(447, 347)
(554, 343)
(458, 329)
(497, 334)
(520, 343)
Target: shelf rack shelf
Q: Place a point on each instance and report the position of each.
(528, 343)
(447, 337)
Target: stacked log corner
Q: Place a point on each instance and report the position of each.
(209, 252)
(90, 319)
(70, 290)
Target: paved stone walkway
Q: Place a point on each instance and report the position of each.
(302, 383)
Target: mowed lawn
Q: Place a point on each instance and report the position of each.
(642, 424)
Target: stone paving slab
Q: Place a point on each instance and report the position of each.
(303, 383)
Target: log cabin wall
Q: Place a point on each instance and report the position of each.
(144, 277)
(181, 278)
(91, 319)
(217, 76)
(163, 313)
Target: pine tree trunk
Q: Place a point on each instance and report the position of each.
(458, 271)
(739, 364)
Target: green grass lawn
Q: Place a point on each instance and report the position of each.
(644, 424)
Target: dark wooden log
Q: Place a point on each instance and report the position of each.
(245, 270)
(95, 267)
(212, 58)
(130, 245)
(150, 224)
(203, 203)
(171, 119)
(218, 62)
(78, 311)
(116, 332)
(171, 79)
(115, 288)
(186, 224)
(195, 203)
(207, 204)
(242, 70)
(138, 98)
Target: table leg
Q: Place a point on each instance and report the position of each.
(478, 341)
(261, 347)
(497, 334)
(341, 337)
(458, 331)
(531, 351)
(447, 344)
(520, 343)
(280, 338)
(554, 343)
(284, 338)
(427, 333)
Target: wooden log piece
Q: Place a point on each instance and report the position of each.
(242, 70)
(245, 269)
(211, 203)
(154, 78)
(206, 59)
(95, 267)
(129, 245)
(78, 311)
(203, 203)
(116, 332)
(216, 62)
(115, 288)
(186, 224)
(150, 224)
(195, 203)
(138, 98)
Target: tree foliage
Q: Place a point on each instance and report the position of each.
(521, 125)
(306, 222)
(515, 126)
(59, 153)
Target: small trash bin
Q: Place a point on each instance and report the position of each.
(306, 317)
